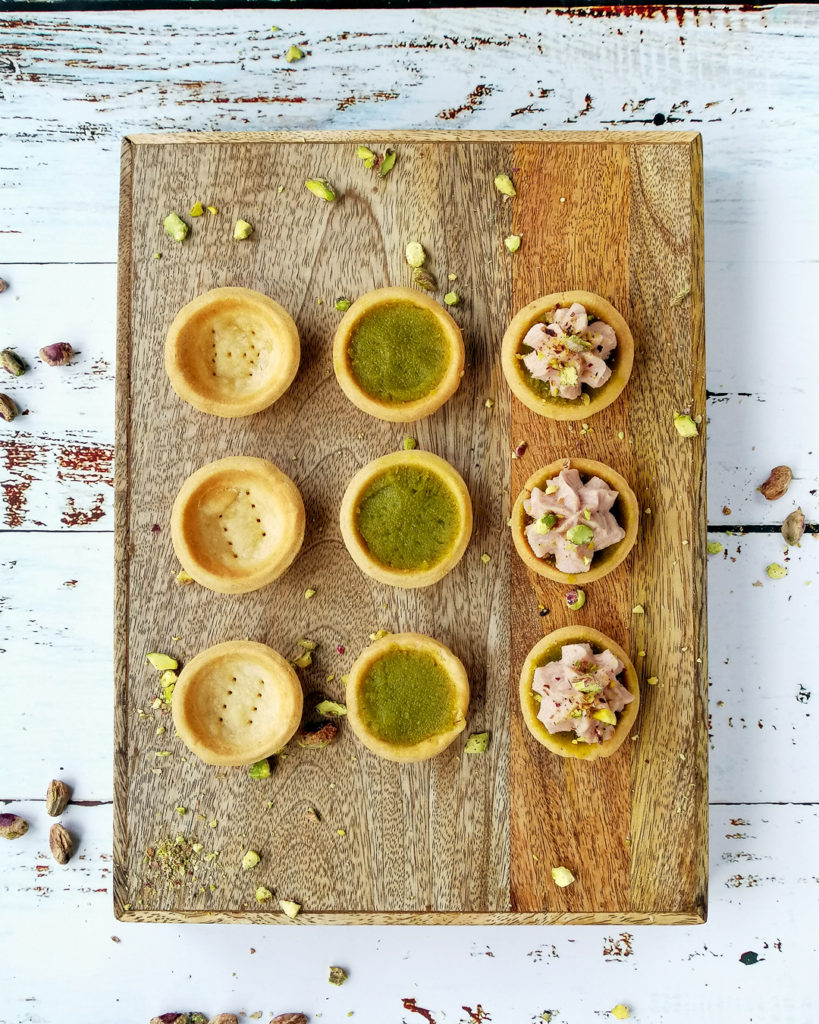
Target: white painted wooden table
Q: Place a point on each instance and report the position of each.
(70, 86)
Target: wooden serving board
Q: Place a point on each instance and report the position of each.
(462, 838)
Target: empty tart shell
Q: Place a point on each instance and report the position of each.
(232, 352)
(418, 464)
(626, 511)
(549, 649)
(447, 352)
(359, 693)
(236, 703)
(526, 388)
(237, 524)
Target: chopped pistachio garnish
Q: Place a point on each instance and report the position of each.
(183, 578)
(387, 163)
(342, 304)
(562, 877)
(196, 210)
(409, 444)
(309, 593)
(503, 183)
(684, 425)
(586, 514)
(714, 547)
(776, 571)
(337, 976)
(605, 715)
(568, 376)
(303, 661)
(366, 154)
(488, 403)
(322, 188)
(580, 534)
(652, 680)
(293, 54)
(452, 298)
(477, 743)
(290, 908)
(212, 210)
(263, 895)
(452, 277)
(260, 770)
(181, 810)
(415, 254)
(242, 230)
(379, 635)
(575, 599)
(341, 832)
(331, 709)
(486, 558)
(162, 662)
(545, 522)
(175, 227)
(157, 255)
(512, 242)
(307, 644)
(621, 434)
(250, 860)
(638, 610)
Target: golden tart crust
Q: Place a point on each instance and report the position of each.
(549, 649)
(357, 680)
(232, 352)
(237, 524)
(626, 511)
(561, 408)
(398, 412)
(236, 703)
(357, 547)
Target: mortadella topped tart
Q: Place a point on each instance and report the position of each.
(567, 355)
(398, 355)
(579, 693)
(575, 519)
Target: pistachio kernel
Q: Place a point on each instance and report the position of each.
(684, 425)
(503, 183)
(260, 770)
(342, 304)
(562, 877)
(293, 54)
(263, 895)
(242, 230)
(290, 908)
(512, 242)
(424, 279)
(415, 254)
(387, 163)
(477, 743)
(321, 188)
(366, 154)
(714, 547)
(452, 298)
(331, 709)
(175, 227)
(250, 860)
(776, 571)
(162, 662)
(409, 444)
(196, 210)
(575, 599)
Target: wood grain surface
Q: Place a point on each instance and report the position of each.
(451, 840)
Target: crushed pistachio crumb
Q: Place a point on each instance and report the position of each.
(489, 403)
(486, 558)
(620, 1012)
(308, 644)
(212, 210)
(477, 743)
(415, 255)
(504, 185)
(366, 154)
(621, 434)
(260, 769)
(342, 304)
(303, 661)
(290, 908)
(161, 662)
(175, 227)
(512, 242)
(309, 593)
(181, 810)
(263, 895)
(183, 578)
(684, 425)
(250, 860)
(387, 163)
(681, 296)
(293, 54)
(196, 210)
(242, 230)
(321, 188)
(337, 976)
(652, 680)
(341, 832)
(378, 635)
(562, 877)
(714, 547)
(776, 571)
(638, 610)
(409, 444)
(452, 298)
(331, 709)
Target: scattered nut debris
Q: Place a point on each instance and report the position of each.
(331, 709)
(424, 279)
(337, 976)
(794, 527)
(61, 843)
(486, 558)
(519, 449)
(415, 255)
(289, 1018)
(250, 860)
(512, 242)
(224, 1018)
(652, 680)
(684, 425)
(681, 296)
(263, 895)
(366, 154)
(504, 185)
(342, 304)
(58, 354)
(260, 770)
(12, 363)
(319, 737)
(12, 826)
(575, 599)
(3, 285)
(452, 299)
(409, 444)
(714, 547)
(290, 908)
(8, 409)
(183, 578)
(776, 571)
(57, 797)
(175, 227)
(242, 230)
(386, 163)
(477, 743)
(196, 210)
(293, 54)
(309, 593)
(212, 210)
(170, 1018)
(322, 188)
(638, 610)
(562, 877)
(620, 1011)
(778, 481)
(162, 662)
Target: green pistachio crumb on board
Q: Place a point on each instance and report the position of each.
(175, 227)
(387, 163)
(322, 188)
(776, 571)
(342, 304)
(452, 298)
(477, 743)
(242, 230)
(365, 154)
(415, 254)
(196, 210)
(512, 242)
(162, 662)
(486, 558)
(714, 547)
(260, 770)
(562, 877)
(263, 895)
(250, 860)
(620, 1012)
(337, 976)
(684, 425)
(409, 444)
(504, 185)
(309, 593)
(331, 709)
(293, 54)
(290, 908)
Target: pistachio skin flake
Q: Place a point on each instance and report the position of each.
(504, 185)
(242, 230)
(512, 242)
(12, 363)
(8, 409)
(794, 527)
(322, 188)
(175, 227)
(293, 54)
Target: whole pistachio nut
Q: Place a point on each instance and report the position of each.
(8, 409)
(12, 826)
(57, 797)
(794, 527)
(778, 481)
(224, 1018)
(61, 843)
(322, 188)
(289, 1018)
(195, 1017)
(12, 363)
(3, 285)
(424, 279)
(170, 1018)
(58, 354)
